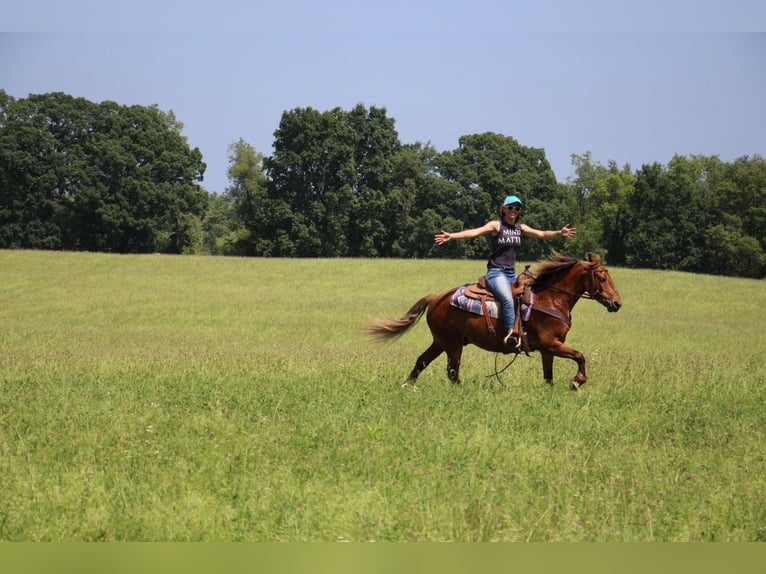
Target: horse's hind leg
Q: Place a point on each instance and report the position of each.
(454, 354)
(425, 359)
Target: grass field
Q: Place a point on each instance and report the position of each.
(161, 398)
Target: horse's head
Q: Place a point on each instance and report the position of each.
(598, 282)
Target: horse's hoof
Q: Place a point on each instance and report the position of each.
(575, 385)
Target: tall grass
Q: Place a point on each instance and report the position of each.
(196, 398)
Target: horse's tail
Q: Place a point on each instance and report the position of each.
(393, 328)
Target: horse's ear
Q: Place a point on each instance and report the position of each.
(593, 257)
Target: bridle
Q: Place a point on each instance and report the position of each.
(595, 279)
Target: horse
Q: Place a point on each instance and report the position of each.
(553, 291)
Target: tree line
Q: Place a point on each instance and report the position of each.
(339, 183)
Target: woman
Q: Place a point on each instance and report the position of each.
(501, 267)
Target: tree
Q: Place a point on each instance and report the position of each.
(416, 205)
(247, 195)
(600, 194)
(101, 177)
(669, 213)
(147, 180)
(742, 194)
(730, 252)
(376, 154)
(219, 228)
(34, 190)
(330, 176)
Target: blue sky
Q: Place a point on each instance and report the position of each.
(633, 82)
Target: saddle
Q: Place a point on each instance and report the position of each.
(480, 291)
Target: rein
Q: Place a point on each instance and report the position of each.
(497, 372)
(584, 295)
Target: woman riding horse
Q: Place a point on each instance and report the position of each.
(501, 267)
(557, 286)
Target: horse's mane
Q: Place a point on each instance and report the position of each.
(546, 271)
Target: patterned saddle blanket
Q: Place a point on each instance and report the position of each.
(460, 300)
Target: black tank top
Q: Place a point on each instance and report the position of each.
(505, 245)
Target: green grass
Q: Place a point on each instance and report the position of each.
(150, 398)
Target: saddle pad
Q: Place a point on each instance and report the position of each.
(461, 301)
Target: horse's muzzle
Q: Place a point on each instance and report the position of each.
(613, 305)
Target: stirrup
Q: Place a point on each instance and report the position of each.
(513, 340)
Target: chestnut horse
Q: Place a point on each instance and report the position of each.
(555, 288)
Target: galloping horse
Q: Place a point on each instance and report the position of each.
(555, 288)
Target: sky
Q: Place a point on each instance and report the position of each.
(629, 82)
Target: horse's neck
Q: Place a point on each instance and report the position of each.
(563, 292)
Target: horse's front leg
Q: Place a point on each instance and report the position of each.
(561, 350)
(547, 366)
(580, 378)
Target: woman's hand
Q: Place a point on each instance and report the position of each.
(442, 237)
(567, 231)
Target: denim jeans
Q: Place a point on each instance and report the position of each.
(499, 280)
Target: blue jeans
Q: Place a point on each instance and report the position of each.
(499, 281)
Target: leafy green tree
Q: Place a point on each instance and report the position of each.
(600, 194)
(376, 154)
(218, 227)
(417, 206)
(147, 178)
(303, 171)
(735, 242)
(102, 177)
(743, 194)
(33, 194)
(669, 214)
(730, 252)
(609, 196)
(330, 177)
(247, 194)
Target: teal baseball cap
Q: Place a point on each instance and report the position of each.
(512, 199)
